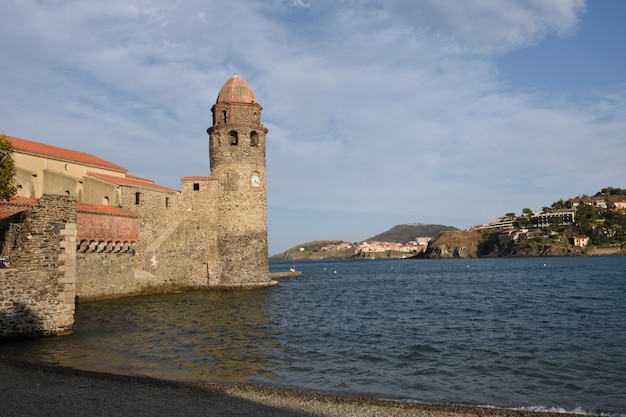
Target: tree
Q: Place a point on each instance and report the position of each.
(559, 205)
(556, 221)
(612, 191)
(7, 169)
(586, 219)
(522, 221)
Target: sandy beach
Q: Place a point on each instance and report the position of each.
(41, 390)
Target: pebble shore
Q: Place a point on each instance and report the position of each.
(42, 390)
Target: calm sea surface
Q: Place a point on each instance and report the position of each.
(546, 333)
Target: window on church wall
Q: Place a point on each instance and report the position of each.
(234, 138)
(224, 116)
(137, 198)
(254, 139)
(196, 186)
(167, 202)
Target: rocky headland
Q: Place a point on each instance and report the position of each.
(477, 244)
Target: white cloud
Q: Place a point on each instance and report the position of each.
(486, 25)
(300, 3)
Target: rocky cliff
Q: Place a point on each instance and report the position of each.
(473, 244)
(455, 244)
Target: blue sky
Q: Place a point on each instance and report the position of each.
(380, 112)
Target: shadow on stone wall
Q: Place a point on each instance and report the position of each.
(7, 231)
(20, 322)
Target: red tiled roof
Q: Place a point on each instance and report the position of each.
(20, 201)
(15, 205)
(41, 149)
(102, 209)
(139, 178)
(131, 181)
(99, 208)
(197, 178)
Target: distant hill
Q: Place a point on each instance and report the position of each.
(405, 233)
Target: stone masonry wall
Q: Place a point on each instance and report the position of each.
(107, 238)
(105, 273)
(166, 258)
(37, 293)
(156, 212)
(200, 211)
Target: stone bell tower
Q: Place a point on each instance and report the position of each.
(237, 156)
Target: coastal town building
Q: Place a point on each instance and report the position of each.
(618, 204)
(539, 220)
(508, 235)
(599, 202)
(581, 241)
(365, 248)
(501, 223)
(532, 234)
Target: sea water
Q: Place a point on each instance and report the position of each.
(532, 333)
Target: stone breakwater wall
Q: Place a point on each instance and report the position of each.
(104, 270)
(38, 290)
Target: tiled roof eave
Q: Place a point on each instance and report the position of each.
(104, 209)
(131, 182)
(104, 213)
(18, 204)
(146, 187)
(199, 178)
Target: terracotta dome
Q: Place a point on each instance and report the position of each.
(236, 90)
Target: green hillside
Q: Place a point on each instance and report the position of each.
(405, 233)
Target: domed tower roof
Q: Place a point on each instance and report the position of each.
(236, 90)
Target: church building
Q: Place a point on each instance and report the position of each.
(134, 236)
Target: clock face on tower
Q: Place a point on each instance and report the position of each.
(255, 181)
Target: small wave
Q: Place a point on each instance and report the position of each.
(577, 410)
